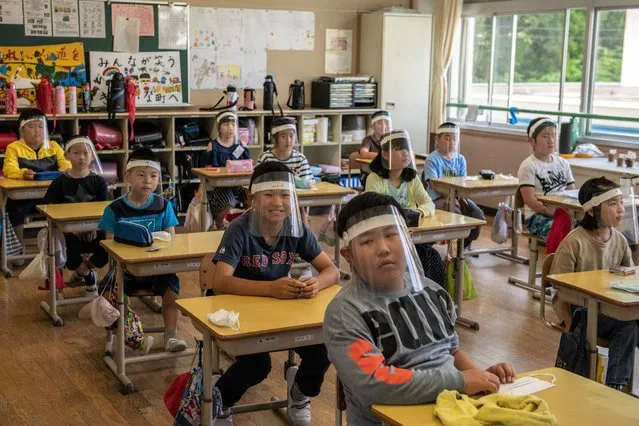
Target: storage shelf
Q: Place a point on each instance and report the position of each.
(190, 148)
(111, 151)
(320, 144)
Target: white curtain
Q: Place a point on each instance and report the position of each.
(447, 18)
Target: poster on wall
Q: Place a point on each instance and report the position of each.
(92, 19)
(63, 64)
(65, 18)
(37, 18)
(203, 69)
(172, 27)
(338, 55)
(158, 74)
(134, 11)
(11, 12)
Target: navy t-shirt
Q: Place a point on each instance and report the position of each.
(219, 154)
(254, 259)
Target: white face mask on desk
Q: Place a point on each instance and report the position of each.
(224, 318)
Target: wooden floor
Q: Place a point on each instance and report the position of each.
(56, 376)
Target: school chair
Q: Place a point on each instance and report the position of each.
(340, 403)
(533, 246)
(566, 318)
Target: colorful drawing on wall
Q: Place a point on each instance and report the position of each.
(63, 64)
(158, 75)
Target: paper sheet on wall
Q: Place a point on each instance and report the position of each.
(37, 18)
(280, 29)
(158, 74)
(203, 69)
(202, 34)
(254, 68)
(229, 68)
(339, 51)
(303, 31)
(92, 19)
(143, 13)
(11, 12)
(172, 27)
(228, 29)
(126, 35)
(255, 29)
(65, 18)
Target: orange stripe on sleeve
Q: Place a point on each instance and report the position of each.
(361, 353)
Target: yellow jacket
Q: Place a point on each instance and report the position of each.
(20, 158)
(416, 196)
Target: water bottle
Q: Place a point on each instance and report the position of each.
(269, 92)
(73, 100)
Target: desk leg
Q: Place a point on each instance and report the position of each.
(52, 308)
(3, 255)
(207, 370)
(203, 203)
(514, 241)
(459, 288)
(591, 335)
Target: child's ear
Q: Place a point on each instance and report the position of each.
(346, 254)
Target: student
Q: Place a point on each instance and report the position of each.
(542, 173)
(81, 183)
(141, 205)
(393, 173)
(596, 244)
(225, 147)
(32, 153)
(254, 259)
(284, 138)
(391, 331)
(370, 146)
(446, 161)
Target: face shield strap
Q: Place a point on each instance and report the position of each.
(226, 116)
(453, 130)
(595, 201)
(535, 126)
(143, 163)
(368, 219)
(283, 185)
(289, 126)
(381, 117)
(393, 136)
(76, 141)
(32, 119)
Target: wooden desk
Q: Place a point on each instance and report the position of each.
(365, 163)
(587, 168)
(17, 189)
(266, 325)
(183, 254)
(573, 401)
(591, 289)
(68, 218)
(446, 226)
(217, 178)
(471, 187)
(570, 204)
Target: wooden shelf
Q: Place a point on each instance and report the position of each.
(320, 144)
(110, 151)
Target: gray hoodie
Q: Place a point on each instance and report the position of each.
(392, 348)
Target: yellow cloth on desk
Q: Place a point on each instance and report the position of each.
(455, 409)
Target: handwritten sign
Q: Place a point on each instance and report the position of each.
(63, 64)
(158, 74)
(143, 13)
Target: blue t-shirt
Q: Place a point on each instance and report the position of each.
(219, 154)
(254, 259)
(156, 214)
(439, 167)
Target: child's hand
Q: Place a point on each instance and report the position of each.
(286, 288)
(504, 371)
(311, 289)
(478, 381)
(28, 175)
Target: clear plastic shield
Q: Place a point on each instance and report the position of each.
(79, 150)
(397, 151)
(629, 226)
(33, 129)
(275, 209)
(284, 133)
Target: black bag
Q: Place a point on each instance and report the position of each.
(432, 263)
(147, 135)
(189, 134)
(573, 353)
(185, 161)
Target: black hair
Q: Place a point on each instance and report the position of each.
(448, 125)
(280, 121)
(381, 113)
(363, 202)
(27, 114)
(541, 126)
(143, 154)
(590, 189)
(268, 167)
(377, 167)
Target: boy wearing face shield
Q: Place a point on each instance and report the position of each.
(32, 153)
(254, 259)
(391, 332)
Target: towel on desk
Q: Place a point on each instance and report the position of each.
(456, 409)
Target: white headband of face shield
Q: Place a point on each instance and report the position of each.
(30, 120)
(393, 136)
(273, 185)
(453, 130)
(381, 117)
(76, 141)
(283, 127)
(535, 126)
(368, 224)
(595, 201)
(143, 163)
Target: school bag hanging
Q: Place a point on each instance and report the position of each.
(133, 331)
(468, 286)
(14, 248)
(572, 354)
(131, 96)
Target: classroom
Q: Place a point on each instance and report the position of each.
(436, 224)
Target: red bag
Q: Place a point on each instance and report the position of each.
(175, 392)
(104, 136)
(560, 227)
(59, 281)
(6, 137)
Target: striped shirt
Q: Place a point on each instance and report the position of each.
(297, 162)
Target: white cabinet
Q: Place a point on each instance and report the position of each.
(396, 49)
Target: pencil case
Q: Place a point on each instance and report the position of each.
(235, 166)
(47, 175)
(133, 234)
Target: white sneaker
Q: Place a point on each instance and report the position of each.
(225, 419)
(298, 412)
(91, 291)
(147, 344)
(174, 345)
